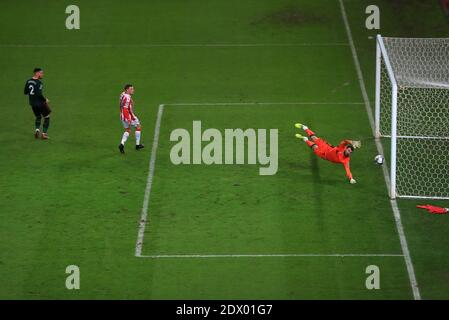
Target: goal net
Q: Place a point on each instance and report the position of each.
(412, 108)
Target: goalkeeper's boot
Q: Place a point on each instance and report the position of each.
(44, 136)
(121, 147)
(139, 146)
(301, 126)
(37, 133)
(301, 137)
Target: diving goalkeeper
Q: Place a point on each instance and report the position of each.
(324, 150)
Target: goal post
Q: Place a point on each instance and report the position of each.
(412, 109)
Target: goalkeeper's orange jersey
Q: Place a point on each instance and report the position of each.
(334, 154)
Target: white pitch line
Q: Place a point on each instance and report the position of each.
(287, 255)
(261, 103)
(146, 199)
(394, 205)
(174, 45)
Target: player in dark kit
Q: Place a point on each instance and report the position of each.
(39, 104)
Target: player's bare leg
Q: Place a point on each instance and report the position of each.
(138, 144)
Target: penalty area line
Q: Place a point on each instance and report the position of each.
(176, 45)
(146, 202)
(146, 199)
(259, 103)
(287, 255)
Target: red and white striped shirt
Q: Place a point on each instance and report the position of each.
(126, 107)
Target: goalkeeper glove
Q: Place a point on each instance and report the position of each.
(352, 181)
(357, 144)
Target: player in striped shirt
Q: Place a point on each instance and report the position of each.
(324, 150)
(128, 118)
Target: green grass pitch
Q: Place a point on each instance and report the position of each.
(75, 200)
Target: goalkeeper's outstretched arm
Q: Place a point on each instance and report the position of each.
(348, 173)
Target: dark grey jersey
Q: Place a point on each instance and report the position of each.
(33, 88)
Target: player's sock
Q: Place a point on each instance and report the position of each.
(309, 132)
(125, 137)
(137, 137)
(37, 123)
(310, 143)
(46, 124)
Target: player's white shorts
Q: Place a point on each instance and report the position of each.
(134, 123)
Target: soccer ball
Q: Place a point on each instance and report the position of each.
(379, 160)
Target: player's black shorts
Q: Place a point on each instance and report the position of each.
(41, 110)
